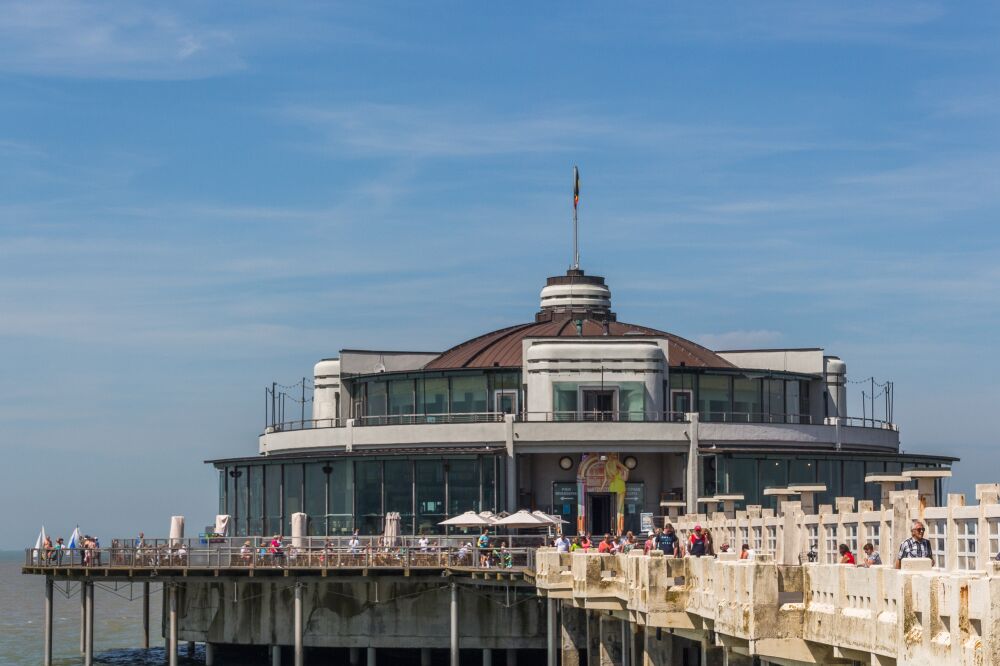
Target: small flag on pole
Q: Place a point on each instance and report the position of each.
(74, 538)
(576, 187)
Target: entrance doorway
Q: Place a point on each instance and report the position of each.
(599, 513)
(598, 405)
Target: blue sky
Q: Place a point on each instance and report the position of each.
(198, 198)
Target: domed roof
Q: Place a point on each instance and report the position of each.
(503, 348)
(567, 300)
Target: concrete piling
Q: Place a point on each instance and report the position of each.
(145, 616)
(83, 617)
(300, 657)
(487, 657)
(371, 656)
(47, 646)
(454, 624)
(275, 655)
(172, 630)
(209, 654)
(425, 657)
(354, 656)
(550, 633)
(88, 652)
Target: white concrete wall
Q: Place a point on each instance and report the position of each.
(806, 361)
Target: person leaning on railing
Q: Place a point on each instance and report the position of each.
(915, 546)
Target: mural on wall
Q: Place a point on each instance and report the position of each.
(601, 473)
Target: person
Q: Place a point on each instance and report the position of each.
(915, 546)
(650, 543)
(668, 541)
(246, 553)
(354, 543)
(872, 558)
(562, 543)
(709, 544)
(585, 542)
(846, 556)
(424, 543)
(463, 553)
(48, 550)
(696, 543)
(606, 546)
(576, 545)
(181, 555)
(724, 548)
(60, 547)
(745, 552)
(628, 543)
(277, 552)
(483, 544)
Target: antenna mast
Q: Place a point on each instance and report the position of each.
(576, 203)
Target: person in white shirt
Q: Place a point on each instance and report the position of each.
(562, 544)
(355, 543)
(424, 544)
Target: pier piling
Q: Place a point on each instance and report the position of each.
(47, 647)
(145, 616)
(275, 655)
(354, 657)
(487, 657)
(209, 654)
(371, 656)
(425, 657)
(550, 632)
(83, 617)
(454, 624)
(172, 642)
(88, 651)
(299, 649)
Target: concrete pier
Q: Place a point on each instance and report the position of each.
(425, 657)
(83, 617)
(371, 656)
(275, 655)
(354, 657)
(487, 657)
(145, 616)
(550, 633)
(209, 654)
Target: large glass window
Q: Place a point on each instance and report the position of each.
(231, 493)
(714, 397)
(564, 504)
(401, 396)
(802, 471)
(854, 479)
(377, 397)
(368, 495)
(489, 481)
(435, 395)
(429, 476)
(272, 499)
(315, 499)
(635, 501)
(775, 398)
(746, 399)
(242, 501)
(564, 401)
(463, 486)
(399, 491)
(468, 394)
(293, 494)
(792, 401)
(631, 401)
(742, 473)
(830, 476)
(255, 524)
(805, 408)
(222, 491)
(341, 485)
(772, 474)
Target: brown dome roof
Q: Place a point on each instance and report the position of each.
(502, 348)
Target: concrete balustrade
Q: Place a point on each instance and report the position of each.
(780, 610)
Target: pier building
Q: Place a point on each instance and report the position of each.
(575, 413)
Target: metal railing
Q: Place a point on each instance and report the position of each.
(415, 419)
(753, 417)
(859, 422)
(307, 424)
(601, 416)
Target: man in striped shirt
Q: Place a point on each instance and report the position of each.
(915, 546)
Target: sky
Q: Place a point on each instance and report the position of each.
(197, 199)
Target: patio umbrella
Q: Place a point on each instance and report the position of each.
(550, 519)
(522, 518)
(391, 536)
(467, 519)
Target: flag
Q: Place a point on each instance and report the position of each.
(40, 542)
(576, 187)
(74, 538)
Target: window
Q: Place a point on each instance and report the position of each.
(742, 473)
(681, 401)
(631, 401)
(599, 404)
(772, 539)
(341, 487)
(399, 491)
(812, 538)
(401, 398)
(746, 399)
(832, 546)
(792, 402)
(505, 401)
(802, 471)
(435, 395)
(272, 499)
(873, 534)
(851, 531)
(315, 499)
(429, 477)
(967, 541)
(830, 476)
(758, 539)
(222, 491)
(292, 495)
(256, 514)
(463, 486)
(368, 495)
(773, 474)
(854, 479)
(489, 464)
(714, 397)
(242, 503)
(775, 397)
(376, 399)
(468, 394)
(564, 400)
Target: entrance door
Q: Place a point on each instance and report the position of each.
(680, 401)
(599, 514)
(598, 405)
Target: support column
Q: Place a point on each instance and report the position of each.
(572, 634)
(145, 616)
(83, 617)
(88, 653)
(511, 462)
(190, 649)
(593, 638)
(487, 657)
(712, 655)
(300, 656)
(611, 641)
(731, 658)
(172, 642)
(354, 656)
(454, 624)
(657, 648)
(425, 657)
(511, 657)
(275, 655)
(691, 485)
(371, 656)
(550, 632)
(626, 644)
(47, 646)
(209, 654)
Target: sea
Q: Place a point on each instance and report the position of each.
(117, 621)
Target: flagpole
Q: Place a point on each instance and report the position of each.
(576, 246)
